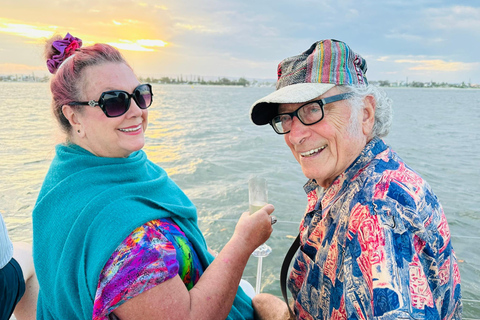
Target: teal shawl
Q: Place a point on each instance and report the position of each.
(86, 207)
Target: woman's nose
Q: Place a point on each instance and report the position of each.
(134, 110)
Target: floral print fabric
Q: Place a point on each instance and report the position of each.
(375, 245)
(150, 255)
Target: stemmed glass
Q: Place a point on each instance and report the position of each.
(257, 198)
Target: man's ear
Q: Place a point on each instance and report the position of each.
(368, 116)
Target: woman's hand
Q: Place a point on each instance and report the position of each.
(254, 229)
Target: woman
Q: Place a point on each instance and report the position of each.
(114, 237)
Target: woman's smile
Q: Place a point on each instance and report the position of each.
(132, 129)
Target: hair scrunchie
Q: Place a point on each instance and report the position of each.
(66, 48)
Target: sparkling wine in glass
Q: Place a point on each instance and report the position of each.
(257, 198)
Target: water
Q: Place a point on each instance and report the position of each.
(203, 138)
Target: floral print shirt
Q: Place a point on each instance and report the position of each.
(151, 254)
(375, 245)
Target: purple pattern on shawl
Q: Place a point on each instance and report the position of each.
(65, 48)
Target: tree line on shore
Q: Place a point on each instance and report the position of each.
(418, 84)
(197, 80)
(223, 81)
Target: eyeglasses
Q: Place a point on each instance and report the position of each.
(115, 103)
(308, 113)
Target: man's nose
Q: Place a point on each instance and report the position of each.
(298, 131)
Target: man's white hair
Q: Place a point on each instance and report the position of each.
(383, 108)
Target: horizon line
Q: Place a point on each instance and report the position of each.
(189, 78)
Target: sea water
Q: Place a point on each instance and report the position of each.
(203, 138)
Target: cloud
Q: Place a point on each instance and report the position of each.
(152, 43)
(437, 65)
(454, 18)
(420, 38)
(384, 58)
(15, 28)
(403, 36)
(202, 27)
(128, 28)
(125, 22)
(138, 45)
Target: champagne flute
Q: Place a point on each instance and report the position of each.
(257, 198)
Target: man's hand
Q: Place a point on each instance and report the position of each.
(269, 307)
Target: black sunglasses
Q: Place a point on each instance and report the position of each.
(115, 103)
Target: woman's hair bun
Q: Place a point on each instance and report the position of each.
(57, 50)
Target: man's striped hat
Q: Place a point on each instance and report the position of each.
(309, 75)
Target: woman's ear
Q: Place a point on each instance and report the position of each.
(368, 119)
(72, 116)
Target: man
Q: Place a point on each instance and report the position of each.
(18, 282)
(374, 241)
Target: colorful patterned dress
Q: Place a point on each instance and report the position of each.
(375, 245)
(150, 255)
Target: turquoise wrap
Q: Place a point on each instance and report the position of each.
(86, 207)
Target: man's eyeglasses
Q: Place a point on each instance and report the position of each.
(115, 103)
(308, 113)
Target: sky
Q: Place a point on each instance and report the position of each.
(401, 40)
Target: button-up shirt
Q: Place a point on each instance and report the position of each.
(375, 244)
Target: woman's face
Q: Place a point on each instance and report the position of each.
(110, 137)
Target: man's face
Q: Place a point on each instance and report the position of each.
(326, 149)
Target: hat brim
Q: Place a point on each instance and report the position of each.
(264, 109)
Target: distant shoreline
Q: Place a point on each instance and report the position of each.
(243, 82)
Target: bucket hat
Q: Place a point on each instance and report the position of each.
(304, 77)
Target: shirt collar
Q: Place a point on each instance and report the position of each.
(371, 150)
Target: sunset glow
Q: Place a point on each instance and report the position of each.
(25, 30)
(216, 39)
(436, 65)
(138, 45)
